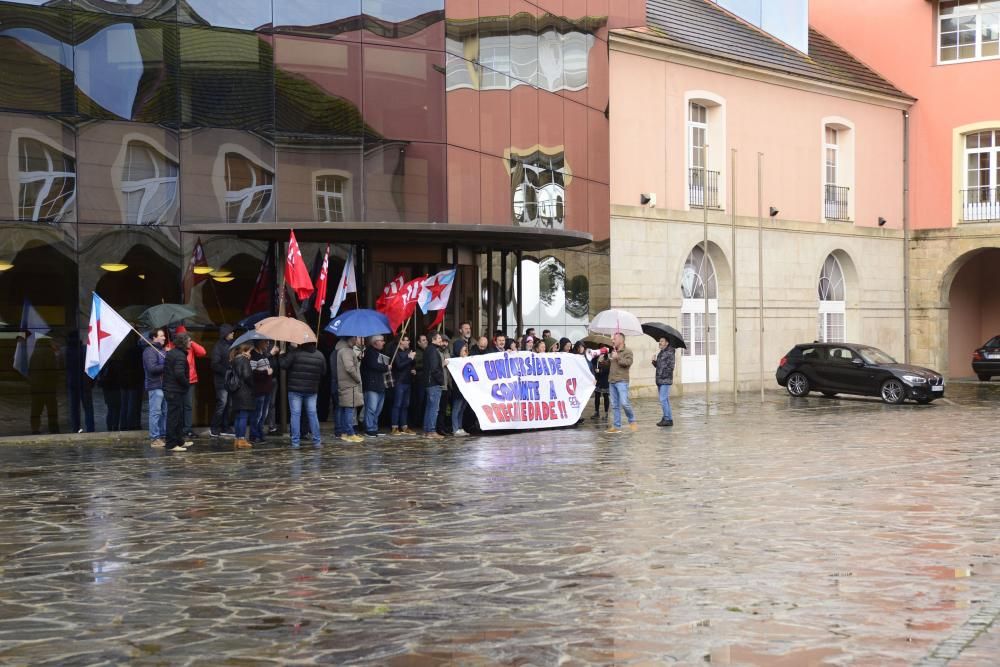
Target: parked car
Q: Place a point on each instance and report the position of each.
(844, 368)
(986, 360)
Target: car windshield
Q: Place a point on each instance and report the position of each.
(873, 355)
(993, 342)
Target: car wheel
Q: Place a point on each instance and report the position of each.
(893, 391)
(797, 385)
(829, 394)
(984, 378)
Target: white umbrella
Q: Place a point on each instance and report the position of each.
(610, 322)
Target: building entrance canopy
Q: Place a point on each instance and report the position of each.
(475, 237)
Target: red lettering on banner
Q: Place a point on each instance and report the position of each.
(488, 411)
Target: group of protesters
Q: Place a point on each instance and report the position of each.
(406, 379)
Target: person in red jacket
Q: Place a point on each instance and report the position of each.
(195, 351)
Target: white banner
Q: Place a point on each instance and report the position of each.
(523, 390)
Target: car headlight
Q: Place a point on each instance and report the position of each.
(914, 379)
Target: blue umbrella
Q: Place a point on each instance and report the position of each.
(249, 321)
(249, 337)
(362, 322)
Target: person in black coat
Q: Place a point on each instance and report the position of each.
(403, 370)
(242, 399)
(374, 368)
(176, 381)
(306, 367)
(220, 364)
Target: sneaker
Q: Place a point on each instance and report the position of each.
(228, 434)
(668, 422)
(434, 436)
(376, 434)
(460, 433)
(357, 438)
(188, 443)
(662, 422)
(272, 430)
(177, 449)
(406, 430)
(613, 430)
(158, 444)
(633, 427)
(395, 431)
(212, 434)
(348, 438)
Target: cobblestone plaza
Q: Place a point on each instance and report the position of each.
(803, 532)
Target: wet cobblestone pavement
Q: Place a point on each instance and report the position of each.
(804, 532)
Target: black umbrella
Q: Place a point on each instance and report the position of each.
(658, 330)
(164, 314)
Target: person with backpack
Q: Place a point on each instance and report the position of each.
(239, 385)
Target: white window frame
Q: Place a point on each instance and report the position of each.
(989, 209)
(328, 196)
(245, 196)
(832, 311)
(693, 317)
(715, 140)
(845, 169)
(963, 11)
(166, 175)
(48, 178)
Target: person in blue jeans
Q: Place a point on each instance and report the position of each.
(305, 366)
(152, 364)
(263, 383)
(618, 379)
(402, 376)
(664, 364)
(433, 371)
(458, 404)
(349, 394)
(374, 369)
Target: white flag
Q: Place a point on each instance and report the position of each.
(346, 285)
(106, 332)
(33, 327)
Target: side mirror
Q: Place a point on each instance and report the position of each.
(858, 361)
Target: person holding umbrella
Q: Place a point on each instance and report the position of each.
(663, 361)
(618, 379)
(242, 398)
(349, 393)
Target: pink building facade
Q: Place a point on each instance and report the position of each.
(947, 55)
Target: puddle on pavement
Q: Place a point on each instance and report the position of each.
(743, 655)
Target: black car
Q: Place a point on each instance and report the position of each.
(844, 368)
(986, 360)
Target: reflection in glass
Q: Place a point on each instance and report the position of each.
(151, 9)
(538, 187)
(47, 182)
(124, 69)
(405, 182)
(330, 189)
(318, 86)
(248, 189)
(149, 185)
(404, 93)
(318, 17)
(416, 23)
(242, 15)
(36, 59)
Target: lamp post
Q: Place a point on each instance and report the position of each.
(704, 288)
(760, 266)
(732, 212)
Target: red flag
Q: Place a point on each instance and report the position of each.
(389, 292)
(437, 320)
(261, 298)
(296, 273)
(398, 306)
(321, 282)
(190, 277)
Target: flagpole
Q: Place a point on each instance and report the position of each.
(406, 325)
(143, 338)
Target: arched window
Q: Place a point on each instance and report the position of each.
(47, 182)
(698, 280)
(832, 325)
(249, 188)
(149, 185)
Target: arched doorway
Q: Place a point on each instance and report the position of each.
(698, 280)
(832, 317)
(973, 307)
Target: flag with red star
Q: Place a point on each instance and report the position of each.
(106, 332)
(436, 291)
(296, 273)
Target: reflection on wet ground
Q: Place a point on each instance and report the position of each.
(801, 532)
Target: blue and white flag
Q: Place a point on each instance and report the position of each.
(347, 284)
(33, 327)
(436, 291)
(106, 332)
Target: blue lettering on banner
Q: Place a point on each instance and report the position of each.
(469, 373)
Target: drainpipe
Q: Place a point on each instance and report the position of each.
(906, 236)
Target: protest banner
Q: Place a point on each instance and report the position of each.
(523, 390)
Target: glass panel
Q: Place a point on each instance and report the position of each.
(36, 58)
(990, 49)
(128, 173)
(550, 55)
(320, 179)
(949, 53)
(411, 23)
(125, 69)
(163, 10)
(38, 173)
(538, 185)
(947, 7)
(599, 208)
(967, 51)
(38, 320)
(496, 194)
(599, 155)
(985, 139)
(463, 110)
(461, 74)
(949, 25)
(524, 27)
(317, 87)
(463, 187)
(495, 121)
(577, 204)
(242, 15)
(524, 118)
(577, 139)
(494, 42)
(405, 182)
(551, 123)
(218, 302)
(227, 79)
(404, 93)
(227, 176)
(463, 28)
(321, 18)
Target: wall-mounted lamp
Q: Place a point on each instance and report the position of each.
(881, 221)
(773, 212)
(6, 266)
(202, 270)
(648, 199)
(224, 279)
(114, 268)
(221, 273)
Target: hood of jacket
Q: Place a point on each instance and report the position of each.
(225, 330)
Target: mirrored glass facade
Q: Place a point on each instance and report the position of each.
(123, 124)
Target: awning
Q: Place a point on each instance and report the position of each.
(474, 237)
